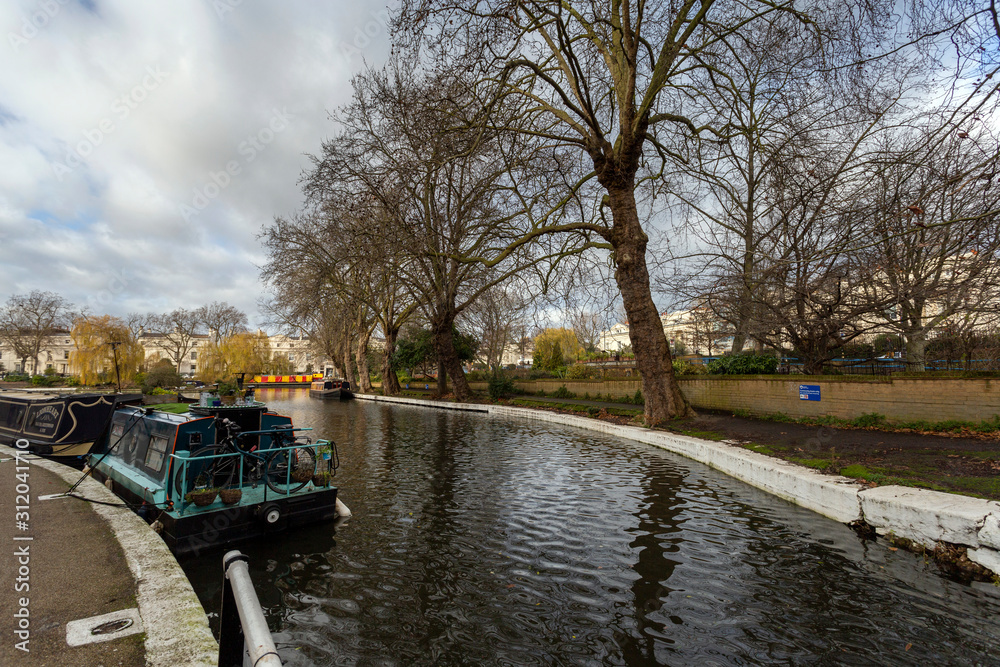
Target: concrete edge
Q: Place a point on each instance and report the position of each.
(923, 516)
(462, 407)
(176, 626)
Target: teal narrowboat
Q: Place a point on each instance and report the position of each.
(217, 474)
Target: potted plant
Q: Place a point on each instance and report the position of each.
(227, 391)
(230, 496)
(324, 452)
(202, 497)
(321, 479)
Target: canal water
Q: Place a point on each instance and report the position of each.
(481, 540)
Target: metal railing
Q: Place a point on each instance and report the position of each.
(181, 464)
(244, 638)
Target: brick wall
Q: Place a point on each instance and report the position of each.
(905, 399)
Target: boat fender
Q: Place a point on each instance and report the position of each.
(270, 514)
(110, 483)
(157, 527)
(342, 509)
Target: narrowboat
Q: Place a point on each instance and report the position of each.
(286, 380)
(331, 388)
(59, 425)
(217, 474)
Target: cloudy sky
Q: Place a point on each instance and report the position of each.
(144, 144)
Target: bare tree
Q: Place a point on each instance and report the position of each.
(28, 319)
(935, 235)
(496, 319)
(594, 76)
(222, 319)
(177, 329)
(448, 186)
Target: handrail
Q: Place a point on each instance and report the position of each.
(184, 461)
(243, 631)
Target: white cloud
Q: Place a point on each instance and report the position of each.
(115, 114)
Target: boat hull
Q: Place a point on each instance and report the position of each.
(196, 529)
(326, 393)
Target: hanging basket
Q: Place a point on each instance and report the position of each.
(302, 475)
(230, 496)
(203, 498)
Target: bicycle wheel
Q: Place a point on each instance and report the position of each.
(290, 470)
(215, 473)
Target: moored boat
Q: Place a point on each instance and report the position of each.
(217, 474)
(56, 424)
(331, 388)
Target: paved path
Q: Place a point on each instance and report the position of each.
(87, 557)
(72, 568)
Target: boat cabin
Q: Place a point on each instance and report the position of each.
(55, 424)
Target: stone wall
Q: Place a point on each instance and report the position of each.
(900, 399)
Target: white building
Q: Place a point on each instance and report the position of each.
(695, 331)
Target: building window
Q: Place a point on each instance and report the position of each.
(65, 354)
(291, 357)
(194, 355)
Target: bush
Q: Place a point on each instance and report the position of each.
(581, 372)
(16, 377)
(869, 420)
(500, 386)
(44, 380)
(73, 381)
(160, 391)
(744, 364)
(638, 398)
(161, 375)
(685, 367)
(563, 392)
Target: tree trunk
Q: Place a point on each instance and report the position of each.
(916, 347)
(348, 364)
(442, 326)
(649, 342)
(390, 383)
(364, 375)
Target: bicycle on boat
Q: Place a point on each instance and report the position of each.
(285, 467)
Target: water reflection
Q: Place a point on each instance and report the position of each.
(481, 540)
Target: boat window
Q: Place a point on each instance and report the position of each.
(117, 430)
(195, 439)
(154, 455)
(11, 414)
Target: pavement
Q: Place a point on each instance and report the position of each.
(73, 565)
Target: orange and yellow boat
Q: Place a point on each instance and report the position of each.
(286, 380)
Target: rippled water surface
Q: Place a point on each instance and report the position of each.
(478, 540)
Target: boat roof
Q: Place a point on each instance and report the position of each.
(37, 396)
(161, 416)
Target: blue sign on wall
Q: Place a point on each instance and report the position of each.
(808, 392)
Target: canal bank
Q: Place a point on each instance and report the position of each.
(965, 525)
(92, 562)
